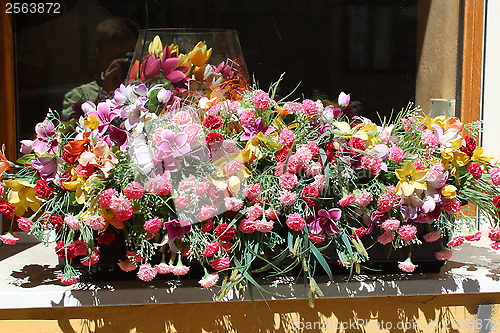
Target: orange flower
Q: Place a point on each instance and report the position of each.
(4, 162)
(78, 146)
(455, 123)
(99, 156)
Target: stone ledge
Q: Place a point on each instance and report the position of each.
(28, 279)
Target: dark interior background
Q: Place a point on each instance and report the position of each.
(363, 47)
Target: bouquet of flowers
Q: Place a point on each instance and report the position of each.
(194, 167)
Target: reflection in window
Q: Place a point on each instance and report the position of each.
(366, 48)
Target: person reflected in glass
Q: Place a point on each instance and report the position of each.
(116, 39)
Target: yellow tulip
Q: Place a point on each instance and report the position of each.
(449, 191)
(199, 55)
(22, 196)
(270, 141)
(480, 156)
(156, 47)
(410, 179)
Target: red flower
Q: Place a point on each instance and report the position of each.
(357, 143)
(247, 226)
(211, 249)
(224, 232)
(106, 239)
(6, 209)
(220, 264)
(470, 146)
(207, 225)
(316, 238)
(282, 154)
(359, 233)
(69, 158)
(496, 201)
(309, 194)
(42, 189)
(475, 170)
(56, 221)
(212, 122)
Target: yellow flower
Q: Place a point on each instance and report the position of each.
(449, 191)
(156, 47)
(199, 55)
(453, 158)
(22, 196)
(366, 132)
(410, 179)
(232, 171)
(480, 156)
(92, 122)
(81, 186)
(270, 141)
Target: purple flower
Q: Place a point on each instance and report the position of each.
(253, 129)
(176, 144)
(325, 221)
(46, 141)
(169, 68)
(121, 137)
(176, 228)
(151, 67)
(330, 113)
(47, 167)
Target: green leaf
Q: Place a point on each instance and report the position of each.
(26, 159)
(322, 261)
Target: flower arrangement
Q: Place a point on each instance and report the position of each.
(190, 162)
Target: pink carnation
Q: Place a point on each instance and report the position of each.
(364, 198)
(233, 204)
(72, 222)
(122, 208)
(159, 185)
(407, 232)
(252, 191)
(179, 270)
(182, 202)
(286, 137)
(431, 139)
(163, 268)
(209, 280)
(319, 182)
(9, 238)
(293, 165)
(187, 183)
(234, 166)
(206, 212)
(203, 187)
(372, 164)
(247, 117)
(248, 226)
(68, 280)
(271, 213)
(261, 100)
(495, 176)
(288, 198)
(106, 197)
(95, 222)
(303, 155)
(254, 212)
(146, 272)
(386, 237)
(432, 236)
(347, 200)
(396, 154)
(193, 132)
(295, 222)
(407, 266)
(153, 225)
(391, 225)
(134, 190)
(264, 225)
(24, 223)
(313, 169)
(182, 118)
(444, 254)
(310, 107)
(288, 181)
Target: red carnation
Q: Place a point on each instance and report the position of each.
(212, 122)
(106, 239)
(224, 232)
(6, 209)
(282, 154)
(496, 201)
(56, 221)
(309, 194)
(220, 264)
(207, 225)
(211, 249)
(247, 226)
(316, 238)
(359, 233)
(475, 170)
(470, 146)
(42, 189)
(357, 143)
